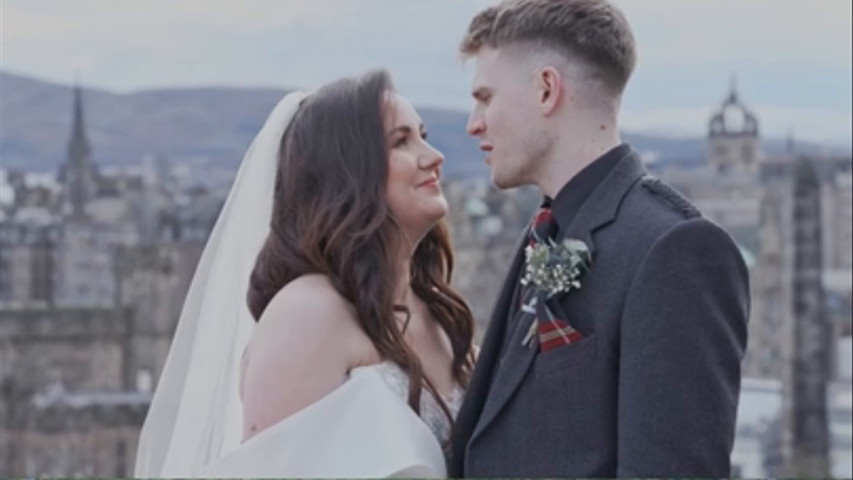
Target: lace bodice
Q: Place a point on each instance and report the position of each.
(431, 412)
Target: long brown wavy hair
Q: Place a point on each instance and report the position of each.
(330, 217)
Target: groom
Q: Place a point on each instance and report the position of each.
(631, 365)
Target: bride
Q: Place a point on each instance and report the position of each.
(350, 353)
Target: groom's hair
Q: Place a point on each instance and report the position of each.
(593, 32)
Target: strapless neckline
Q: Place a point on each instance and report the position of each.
(431, 412)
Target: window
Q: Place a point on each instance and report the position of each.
(144, 380)
(42, 274)
(5, 279)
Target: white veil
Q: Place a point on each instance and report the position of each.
(195, 415)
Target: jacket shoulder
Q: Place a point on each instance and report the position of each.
(668, 197)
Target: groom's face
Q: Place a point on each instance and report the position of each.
(505, 116)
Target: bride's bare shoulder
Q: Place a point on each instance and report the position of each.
(304, 346)
(309, 310)
(312, 293)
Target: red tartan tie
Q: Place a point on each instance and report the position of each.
(553, 332)
(542, 226)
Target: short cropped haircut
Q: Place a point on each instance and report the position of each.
(591, 31)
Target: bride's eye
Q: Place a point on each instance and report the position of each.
(401, 142)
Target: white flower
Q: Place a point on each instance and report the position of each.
(556, 268)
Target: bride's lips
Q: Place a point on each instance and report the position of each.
(431, 182)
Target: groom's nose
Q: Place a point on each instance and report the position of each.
(476, 125)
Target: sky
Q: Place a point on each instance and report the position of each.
(791, 58)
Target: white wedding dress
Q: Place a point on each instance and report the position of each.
(364, 428)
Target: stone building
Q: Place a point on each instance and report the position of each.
(751, 194)
(807, 372)
(791, 215)
(837, 201)
(67, 408)
(27, 263)
(92, 279)
(78, 379)
(771, 288)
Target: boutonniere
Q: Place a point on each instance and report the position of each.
(554, 269)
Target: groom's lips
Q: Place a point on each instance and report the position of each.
(486, 147)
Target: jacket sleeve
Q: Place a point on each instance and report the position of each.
(683, 336)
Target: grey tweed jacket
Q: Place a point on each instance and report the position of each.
(652, 389)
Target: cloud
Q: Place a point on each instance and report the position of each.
(97, 36)
(143, 21)
(793, 33)
(57, 36)
(792, 56)
(129, 45)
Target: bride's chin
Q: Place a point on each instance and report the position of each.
(439, 212)
(430, 222)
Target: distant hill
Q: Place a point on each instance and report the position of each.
(181, 125)
(210, 126)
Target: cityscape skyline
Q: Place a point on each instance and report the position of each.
(94, 265)
(99, 245)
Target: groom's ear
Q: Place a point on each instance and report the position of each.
(550, 85)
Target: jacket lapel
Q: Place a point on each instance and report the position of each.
(478, 388)
(596, 212)
(512, 369)
(600, 209)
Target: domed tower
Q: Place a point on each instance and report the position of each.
(733, 141)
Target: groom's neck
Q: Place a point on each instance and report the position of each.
(579, 141)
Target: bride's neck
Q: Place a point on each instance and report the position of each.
(402, 283)
(402, 276)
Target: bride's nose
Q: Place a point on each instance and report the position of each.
(431, 158)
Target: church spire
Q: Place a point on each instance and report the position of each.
(78, 146)
(78, 173)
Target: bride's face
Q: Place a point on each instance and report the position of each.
(414, 169)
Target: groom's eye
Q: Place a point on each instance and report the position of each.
(482, 96)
